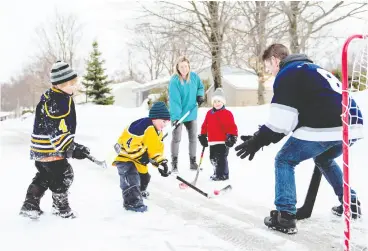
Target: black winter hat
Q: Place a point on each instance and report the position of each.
(159, 111)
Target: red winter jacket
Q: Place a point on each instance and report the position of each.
(217, 124)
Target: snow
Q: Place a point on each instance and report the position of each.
(177, 219)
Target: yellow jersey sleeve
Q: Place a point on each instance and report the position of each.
(153, 141)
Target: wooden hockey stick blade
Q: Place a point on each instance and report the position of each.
(306, 210)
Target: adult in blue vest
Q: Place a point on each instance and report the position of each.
(307, 103)
(185, 91)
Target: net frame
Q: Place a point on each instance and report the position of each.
(346, 124)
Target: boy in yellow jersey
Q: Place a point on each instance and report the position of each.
(141, 142)
(52, 142)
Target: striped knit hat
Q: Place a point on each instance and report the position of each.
(61, 73)
(159, 111)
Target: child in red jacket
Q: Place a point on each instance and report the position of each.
(220, 128)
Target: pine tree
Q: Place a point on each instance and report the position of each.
(95, 80)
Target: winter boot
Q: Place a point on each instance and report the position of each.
(193, 163)
(136, 208)
(284, 222)
(31, 205)
(355, 209)
(219, 178)
(61, 206)
(174, 164)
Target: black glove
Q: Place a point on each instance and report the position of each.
(144, 160)
(231, 140)
(250, 146)
(203, 140)
(165, 172)
(174, 122)
(200, 100)
(77, 151)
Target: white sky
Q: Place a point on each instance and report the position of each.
(104, 20)
(101, 20)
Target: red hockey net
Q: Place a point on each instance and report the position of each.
(354, 82)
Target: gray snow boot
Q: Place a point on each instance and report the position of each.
(61, 206)
(193, 163)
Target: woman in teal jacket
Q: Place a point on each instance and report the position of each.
(185, 91)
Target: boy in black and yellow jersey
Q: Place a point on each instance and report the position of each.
(140, 142)
(52, 142)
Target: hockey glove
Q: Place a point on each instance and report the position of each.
(249, 147)
(165, 172)
(144, 160)
(77, 151)
(231, 140)
(203, 140)
(200, 100)
(174, 123)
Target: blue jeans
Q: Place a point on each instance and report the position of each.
(295, 151)
(130, 184)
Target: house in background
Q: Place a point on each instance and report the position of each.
(124, 95)
(240, 86)
(143, 90)
(6, 115)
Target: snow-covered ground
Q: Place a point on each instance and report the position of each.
(177, 219)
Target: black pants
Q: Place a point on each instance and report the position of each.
(55, 175)
(218, 157)
(145, 179)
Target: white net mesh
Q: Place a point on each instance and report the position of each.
(355, 107)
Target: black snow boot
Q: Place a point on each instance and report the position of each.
(174, 164)
(356, 211)
(61, 206)
(31, 205)
(281, 221)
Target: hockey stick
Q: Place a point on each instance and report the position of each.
(306, 210)
(178, 122)
(98, 162)
(216, 192)
(183, 185)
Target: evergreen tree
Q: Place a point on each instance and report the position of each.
(95, 80)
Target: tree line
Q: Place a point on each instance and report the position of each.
(209, 33)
